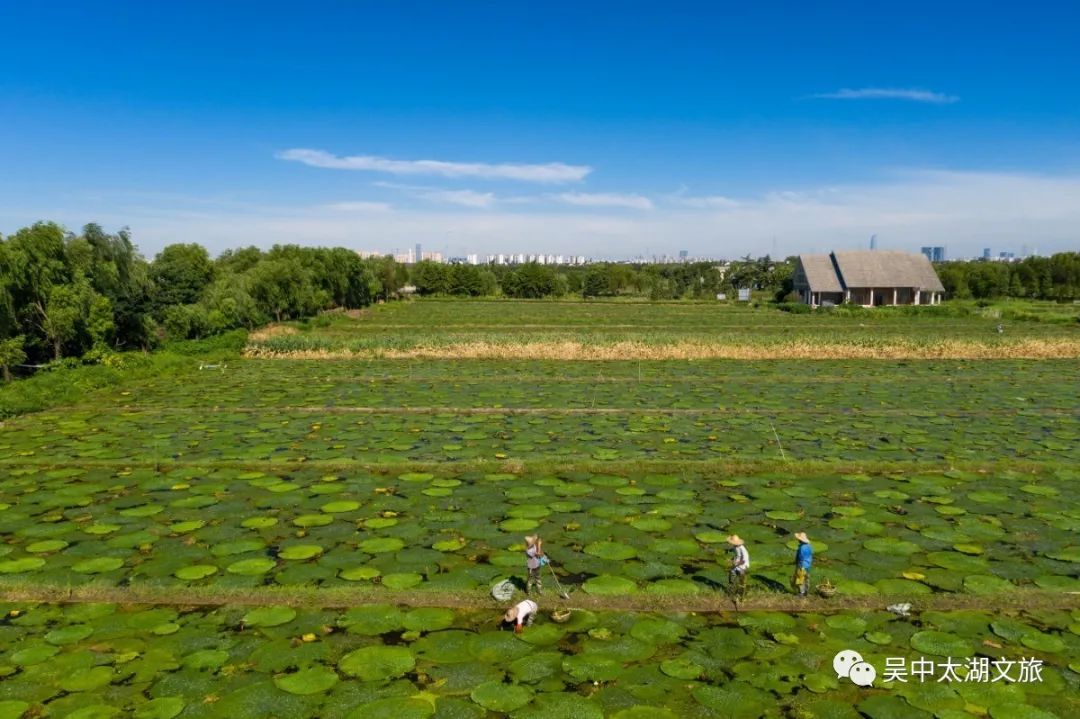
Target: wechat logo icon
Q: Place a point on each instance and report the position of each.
(850, 665)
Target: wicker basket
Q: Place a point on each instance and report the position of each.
(560, 616)
(826, 589)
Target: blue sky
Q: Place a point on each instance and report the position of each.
(611, 129)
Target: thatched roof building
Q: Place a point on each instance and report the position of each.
(867, 277)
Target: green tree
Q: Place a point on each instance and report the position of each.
(11, 354)
(180, 273)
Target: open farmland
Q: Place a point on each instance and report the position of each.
(312, 531)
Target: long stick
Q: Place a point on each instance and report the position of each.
(562, 592)
(778, 444)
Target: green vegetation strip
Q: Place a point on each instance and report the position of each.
(420, 597)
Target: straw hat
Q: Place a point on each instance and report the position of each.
(530, 539)
(801, 536)
(511, 614)
(735, 540)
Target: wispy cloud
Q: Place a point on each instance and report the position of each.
(604, 199)
(465, 198)
(359, 206)
(911, 94)
(552, 172)
(714, 202)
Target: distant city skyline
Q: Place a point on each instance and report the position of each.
(721, 129)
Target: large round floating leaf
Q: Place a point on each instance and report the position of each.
(359, 574)
(612, 551)
(1019, 710)
(195, 571)
(651, 524)
(543, 635)
(941, 644)
(300, 551)
(313, 680)
(781, 515)
(187, 526)
(518, 524)
(727, 643)
(13, 708)
(562, 705)
(401, 580)
(381, 545)
(987, 584)
(588, 667)
(416, 477)
(341, 505)
(1067, 554)
(23, 564)
(891, 545)
(45, 546)
(270, 616)
(86, 679)
(313, 520)
(97, 565)
(160, 708)
(393, 708)
(377, 663)
(645, 712)
(672, 587)
(380, 522)
(372, 619)
(1042, 642)
(70, 634)
(429, 619)
(259, 522)
(94, 711)
(501, 697)
(657, 630)
(206, 660)
(252, 567)
(450, 545)
(682, 667)
(608, 585)
(30, 656)
(736, 700)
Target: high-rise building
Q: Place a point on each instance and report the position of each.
(986, 253)
(419, 253)
(934, 254)
(683, 254)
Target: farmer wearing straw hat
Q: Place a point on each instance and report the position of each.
(804, 558)
(534, 562)
(521, 613)
(740, 564)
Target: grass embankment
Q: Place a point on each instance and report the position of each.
(74, 384)
(577, 350)
(704, 602)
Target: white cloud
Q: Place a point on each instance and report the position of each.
(552, 172)
(718, 202)
(465, 198)
(964, 211)
(911, 94)
(359, 206)
(604, 199)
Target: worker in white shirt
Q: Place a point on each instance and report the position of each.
(740, 565)
(522, 613)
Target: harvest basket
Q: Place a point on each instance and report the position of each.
(826, 589)
(560, 616)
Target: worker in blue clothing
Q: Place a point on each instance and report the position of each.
(804, 558)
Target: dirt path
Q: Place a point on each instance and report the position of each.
(706, 602)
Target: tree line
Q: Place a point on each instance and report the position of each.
(1039, 278)
(73, 295)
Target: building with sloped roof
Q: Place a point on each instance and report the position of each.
(871, 278)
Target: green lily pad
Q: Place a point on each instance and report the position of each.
(359, 574)
(401, 580)
(941, 644)
(46, 545)
(607, 585)
(23, 564)
(586, 667)
(160, 708)
(429, 619)
(252, 567)
(97, 565)
(501, 697)
(393, 708)
(682, 667)
(313, 680)
(377, 663)
(381, 545)
(301, 551)
(195, 571)
(891, 545)
(269, 616)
